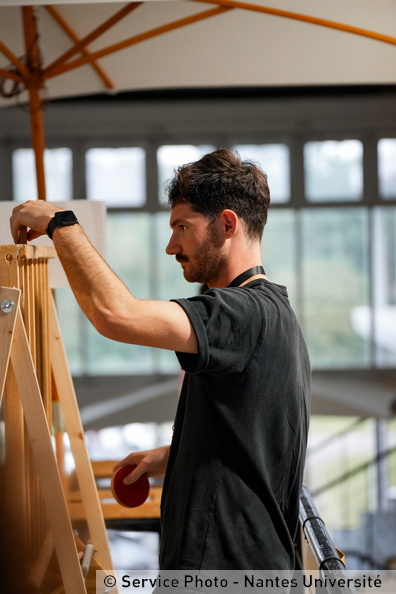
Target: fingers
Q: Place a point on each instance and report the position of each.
(15, 226)
(138, 459)
(133, 458)
(34, 214)
(20, 220)
(151, 462)
(31, 234)
(135, 474)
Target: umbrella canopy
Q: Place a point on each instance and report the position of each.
(165, 44)
(64, 48)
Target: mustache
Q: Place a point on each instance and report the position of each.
(181, 258)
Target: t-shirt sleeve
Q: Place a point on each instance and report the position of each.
(228, 324)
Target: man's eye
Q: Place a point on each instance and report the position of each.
(183, 227)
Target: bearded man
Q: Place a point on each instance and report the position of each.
(234, 469)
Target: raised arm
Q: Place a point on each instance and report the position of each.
(102, 296)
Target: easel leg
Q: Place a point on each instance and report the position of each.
(15, 500)
(9, 301)
(40, 438)
(75, 431)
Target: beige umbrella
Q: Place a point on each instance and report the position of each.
(205, 43)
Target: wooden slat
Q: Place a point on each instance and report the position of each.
(40, 438)
(35, 251)
(114, 511)
(28, 307)
(15, 463)
(40, 566)
(15, 520)
(24, 251)
(7, 324)
(75, 431)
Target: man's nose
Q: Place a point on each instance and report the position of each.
(172, 248)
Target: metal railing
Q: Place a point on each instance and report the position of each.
(323, 558)
(313, 528)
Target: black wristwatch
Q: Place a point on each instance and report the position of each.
(62, 218)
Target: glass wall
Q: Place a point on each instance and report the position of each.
(274, 159)
(335, 252)
(334, 282)
(333, 170)
(387, 168)
(116, 175)
(58, 174)
(383, 316)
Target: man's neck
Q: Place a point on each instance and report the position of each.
(227, 275)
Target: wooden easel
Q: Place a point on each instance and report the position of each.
(33, 371)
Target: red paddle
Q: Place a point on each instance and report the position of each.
(129, 495)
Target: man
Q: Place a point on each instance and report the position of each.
(233, 472)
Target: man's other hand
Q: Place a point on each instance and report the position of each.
(150, 462)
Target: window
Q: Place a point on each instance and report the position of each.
(129, 254)
(73, 324)
(278, 251)
(275, 161)
(169, 157)
(334, 283)
(117, 176)
(381, 328)
(58, 174)
(320, 254)
(333, 170)
(387, 168)
(169, 284)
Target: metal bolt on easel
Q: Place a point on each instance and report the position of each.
(7, 306)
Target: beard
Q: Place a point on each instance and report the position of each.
(208, 261)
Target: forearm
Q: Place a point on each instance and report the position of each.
(98, 290)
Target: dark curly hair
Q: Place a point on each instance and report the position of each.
(221, 180)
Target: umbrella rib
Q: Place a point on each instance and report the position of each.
(69, 31)
(137, 39)
(82, 43)
(305, 18)
(11, 75)
(21, 67)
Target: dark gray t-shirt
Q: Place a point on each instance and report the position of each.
(232, 486)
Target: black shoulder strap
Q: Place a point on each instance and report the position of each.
(245, 275)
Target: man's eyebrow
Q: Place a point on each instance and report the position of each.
(177, 222)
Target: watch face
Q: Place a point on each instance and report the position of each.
(66, 217)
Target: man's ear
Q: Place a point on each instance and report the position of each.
(229, 222)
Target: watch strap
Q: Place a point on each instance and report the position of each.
(62, 218)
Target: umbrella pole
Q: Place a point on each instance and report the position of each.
(34, 86)
(38, 142)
